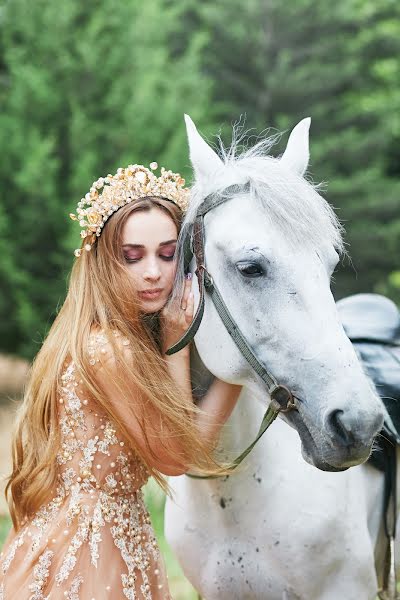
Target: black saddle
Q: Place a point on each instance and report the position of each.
(372, 322)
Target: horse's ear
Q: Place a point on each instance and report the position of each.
(297, 153)
(204, 160)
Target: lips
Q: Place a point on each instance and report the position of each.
(151, 294)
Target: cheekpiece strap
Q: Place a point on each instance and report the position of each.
(269, 417)
(198, 248)
(211, 201)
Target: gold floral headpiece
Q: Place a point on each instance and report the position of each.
(110, 193)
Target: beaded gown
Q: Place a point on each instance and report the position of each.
(93, 540)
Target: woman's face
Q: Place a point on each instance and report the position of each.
(148, 240)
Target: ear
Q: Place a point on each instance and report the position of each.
(297, 153)
(204, 160)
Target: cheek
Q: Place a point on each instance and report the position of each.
(134, 273)
(169, 273)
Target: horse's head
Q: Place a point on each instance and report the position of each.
(271, 250)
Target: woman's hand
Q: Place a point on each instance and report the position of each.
(175, 323)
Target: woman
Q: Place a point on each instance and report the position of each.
(105, 408)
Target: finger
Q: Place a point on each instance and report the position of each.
(189, 308)
(184, 303)
(186, 292)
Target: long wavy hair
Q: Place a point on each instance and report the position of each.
(100, 294)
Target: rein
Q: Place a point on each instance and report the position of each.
(282, 399)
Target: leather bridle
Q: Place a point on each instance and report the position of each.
(282, 399)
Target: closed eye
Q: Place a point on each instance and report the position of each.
(167, 256)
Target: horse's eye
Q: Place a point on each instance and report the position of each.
(250, 269)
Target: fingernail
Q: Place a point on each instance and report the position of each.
(188, 275)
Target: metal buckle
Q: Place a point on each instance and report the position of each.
(284, 398)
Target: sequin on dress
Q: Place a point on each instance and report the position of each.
(93, 540)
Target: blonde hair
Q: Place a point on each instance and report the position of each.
(100, 294)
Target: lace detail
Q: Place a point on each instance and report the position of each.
(40, 574)
(11, 554)
(72, 593)
(96, 519)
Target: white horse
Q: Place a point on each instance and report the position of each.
(278, 528)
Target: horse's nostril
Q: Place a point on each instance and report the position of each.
(337, 425)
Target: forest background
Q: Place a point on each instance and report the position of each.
(88, 86)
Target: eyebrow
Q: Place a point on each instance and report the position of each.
(141, 245)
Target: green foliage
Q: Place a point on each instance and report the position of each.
(338, 62)
(5, 525)
(84, 88)
(155, 502)
(87, 87)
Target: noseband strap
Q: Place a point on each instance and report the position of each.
(282, 399)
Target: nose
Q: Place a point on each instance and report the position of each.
(340, 428)
(352, 430)
(151, 272)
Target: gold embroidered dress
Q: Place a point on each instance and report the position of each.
(93, 540)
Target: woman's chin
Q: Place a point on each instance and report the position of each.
(152, 306)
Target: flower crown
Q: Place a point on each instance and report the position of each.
(110, 193)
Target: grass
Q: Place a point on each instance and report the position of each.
(5, 524)
(179, 585)
(155, 499)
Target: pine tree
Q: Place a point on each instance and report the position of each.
(337, 62)
(85, 88)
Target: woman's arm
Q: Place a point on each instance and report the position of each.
(217, 404)
(221, 397)
(128, 405)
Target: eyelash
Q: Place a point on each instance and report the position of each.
(135, 260)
